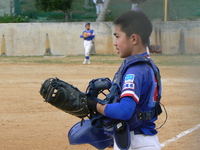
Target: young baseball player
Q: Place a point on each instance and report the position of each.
(99, 5)
(134, 3)
(140, 86)
(88, 36)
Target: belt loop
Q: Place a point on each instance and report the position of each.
(148, 115)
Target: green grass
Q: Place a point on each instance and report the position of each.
(160, 60)
(177, 60)
(98, 59)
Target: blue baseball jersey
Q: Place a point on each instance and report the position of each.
(139, 89)
(89, 38)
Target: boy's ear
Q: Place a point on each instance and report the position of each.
(135, 38)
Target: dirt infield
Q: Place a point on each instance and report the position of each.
(27, 122)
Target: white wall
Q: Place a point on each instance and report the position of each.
(29, 38)
(178, 37)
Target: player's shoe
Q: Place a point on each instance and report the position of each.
(85, 61)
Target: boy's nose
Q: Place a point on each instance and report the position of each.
(114, 43)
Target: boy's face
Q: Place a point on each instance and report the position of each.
(87, 26)
(122, 43)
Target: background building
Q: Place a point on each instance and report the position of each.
(9, 7)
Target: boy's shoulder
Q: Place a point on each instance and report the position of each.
(137, 68)
(136, 64)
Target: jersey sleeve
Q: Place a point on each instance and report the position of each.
(132, 82)
(81, 36)
(122, 110)
(92, 34)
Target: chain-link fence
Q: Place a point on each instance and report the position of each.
(85, 10)
(154, 9)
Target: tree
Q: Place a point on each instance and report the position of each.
(102, 14)
(51, 5)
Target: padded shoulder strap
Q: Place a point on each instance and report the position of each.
(131, 60)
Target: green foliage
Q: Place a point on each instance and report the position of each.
(178, 10)
(31, 14)
(197, 13)
(109, 16)
(78, 16)
(13, 19)
(51, 5)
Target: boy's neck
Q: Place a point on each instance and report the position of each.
(139, 50)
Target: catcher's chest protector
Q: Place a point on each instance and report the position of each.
(135, 122)
(134, 59)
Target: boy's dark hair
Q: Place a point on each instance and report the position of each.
(135, 22)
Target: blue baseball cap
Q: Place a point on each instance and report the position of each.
(87, 23)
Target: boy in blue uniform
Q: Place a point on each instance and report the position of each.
(88, 36)
(138, 82)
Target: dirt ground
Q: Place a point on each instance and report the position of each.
(26, 122)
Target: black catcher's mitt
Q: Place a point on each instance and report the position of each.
(65, 97)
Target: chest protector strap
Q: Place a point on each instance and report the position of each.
(139, 116)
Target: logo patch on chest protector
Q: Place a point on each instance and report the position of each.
(129, 78)
(128, 85)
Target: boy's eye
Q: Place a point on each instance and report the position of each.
(116, 35)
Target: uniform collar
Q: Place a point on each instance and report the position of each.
(145, 54)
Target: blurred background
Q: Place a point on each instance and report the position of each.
(84, 10)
